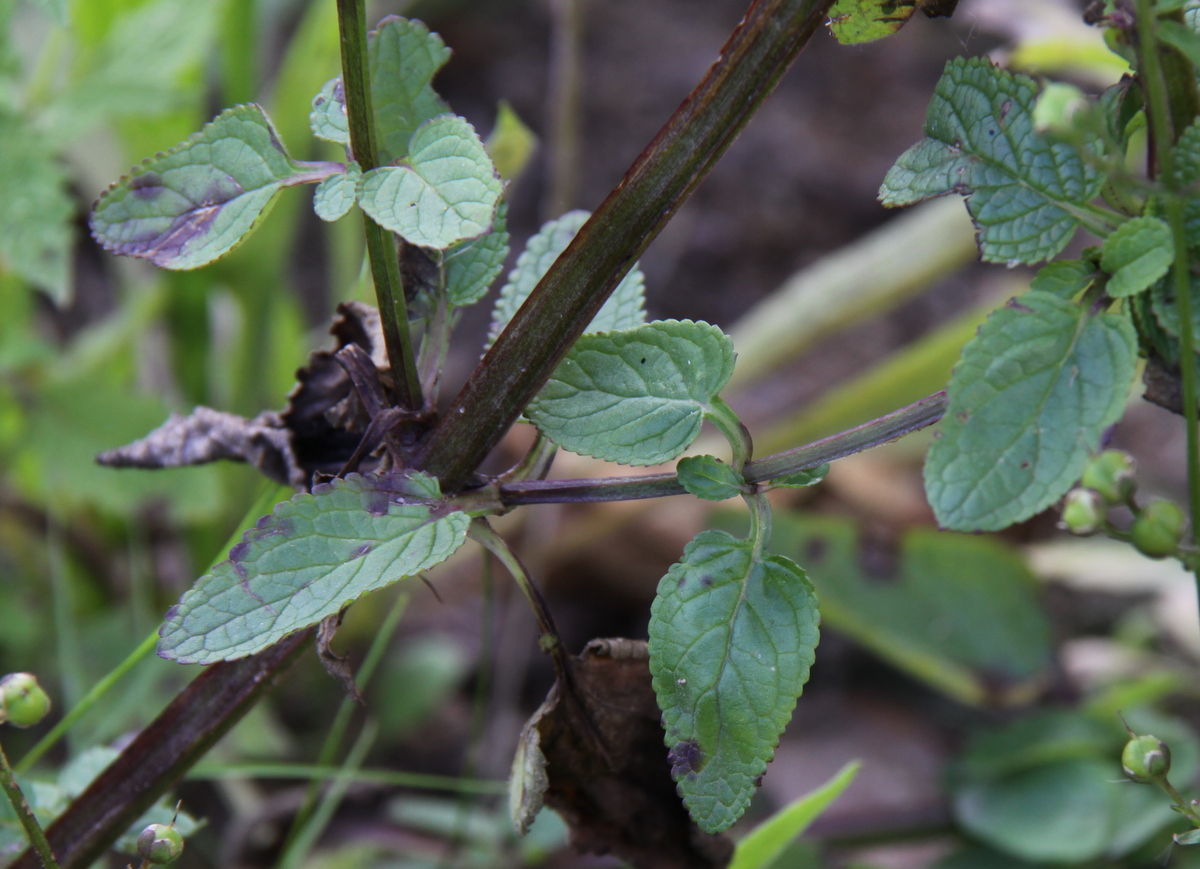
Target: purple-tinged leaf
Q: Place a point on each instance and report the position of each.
(307, 560)
(190, 205)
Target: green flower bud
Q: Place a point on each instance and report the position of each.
(23, 703)
(1146, 759)
(160, 844)
(1083, 511)
(1158, 529)
(1112, 475)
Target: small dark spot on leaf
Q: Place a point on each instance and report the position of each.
(1013, 303)
(360, 551)
(643, 360)
(686, 757)
(1025, 465)
(706, 581)
(758, 781)
(239, 552)
(815, 549)
(682, 580)
(962, 416)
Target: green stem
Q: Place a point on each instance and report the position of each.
(760, 49)
(389, 777)
(86, 702)
(381, 244)
(33, 830)
(1185, 807)
(727, 422)
(760, 521)
(341, 721)
(483, 534)
(294, 856)
(1156, 90)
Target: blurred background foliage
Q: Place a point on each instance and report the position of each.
(979, 678)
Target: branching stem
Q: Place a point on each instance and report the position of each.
(381, 244)
(33, 830)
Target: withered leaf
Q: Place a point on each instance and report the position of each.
(598, 740)
(317, 433)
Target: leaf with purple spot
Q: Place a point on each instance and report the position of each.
(312, 556)
(192, 204)
(733, 633)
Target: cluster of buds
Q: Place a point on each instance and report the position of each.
(1109, 481)
(23, 703)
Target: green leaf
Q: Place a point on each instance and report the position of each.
(625, 308)
(1022, 190)
(855, 21)
(638, 396)
(767, 841)
(472, 266)
(801, 479)
(193, 204)
(993, 640)
(1027, 405)
(510, 143)
(1137, 254)
(1164, 302)
(1180, 37)
(1187, 171)
(1191, 837)
(403, 57)
(710, 478)
(1064, 278)
(35, 229)
(334, 196)
(328, 117)
(445, 193)
(312, 556)
(732, 636)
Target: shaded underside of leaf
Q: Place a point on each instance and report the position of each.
(312, 556)
(624, 309)
(472, 266)
(188, 206)
(1027, 405)
(981, 142)
(637, 396)
(732, 637)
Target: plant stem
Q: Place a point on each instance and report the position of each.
(563, 107)
(87, 702)
(341, 721)
(1155, 85)
(159, 755)
(727, 422)
(483, 534)
(760, 521)
(381, 244)
(916, 416)
(387, 777)
(760, 49)
(33, 830)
